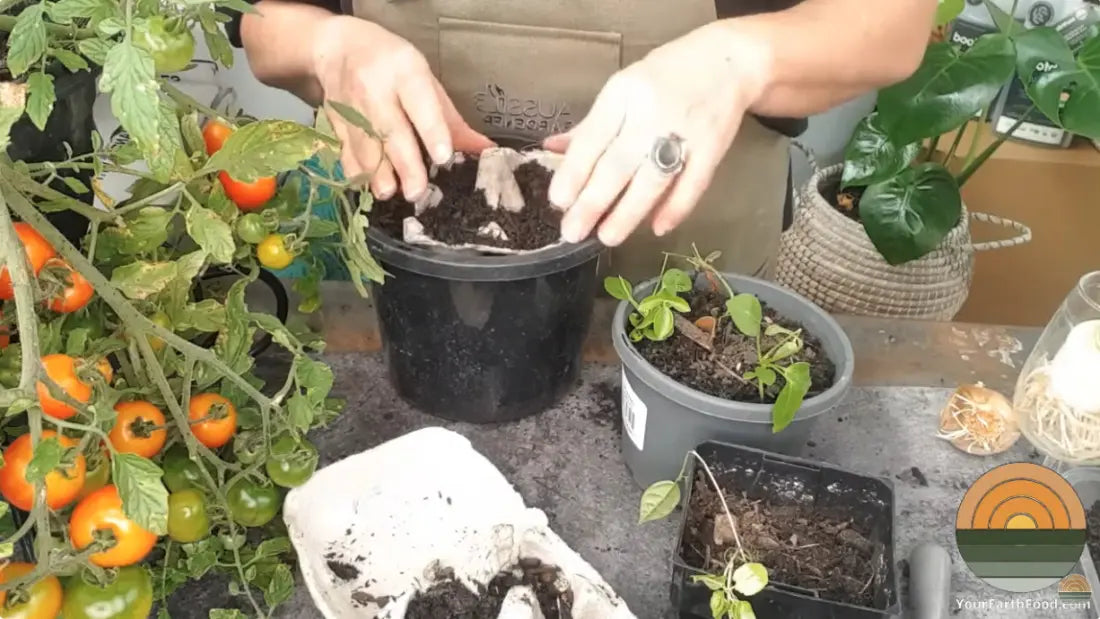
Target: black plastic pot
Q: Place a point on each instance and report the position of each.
(72, 123)
(483, 339)
(785, 479)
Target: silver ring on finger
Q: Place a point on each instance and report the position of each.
(668, 155)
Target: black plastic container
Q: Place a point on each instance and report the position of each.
(790, 480)
(483, 339)
(71, 122)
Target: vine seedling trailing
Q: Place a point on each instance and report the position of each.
(741, 576)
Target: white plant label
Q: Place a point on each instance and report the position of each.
(634, 414)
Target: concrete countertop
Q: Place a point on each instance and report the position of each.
(567, 462)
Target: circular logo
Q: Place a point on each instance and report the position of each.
(1041, 13)
(1021, 527)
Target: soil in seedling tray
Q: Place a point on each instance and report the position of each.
(713, 371)
(450, 599)
(463, 210)
(801, 546)
(1093, 527)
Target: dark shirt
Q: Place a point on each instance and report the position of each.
(792, 127)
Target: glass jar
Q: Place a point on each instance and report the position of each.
(1057, 399)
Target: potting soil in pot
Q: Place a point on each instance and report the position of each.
(497, 203)
(828, 552)
(1092, 525)
(719, 371)
(450, 598)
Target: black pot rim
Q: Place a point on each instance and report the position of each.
(471, 265)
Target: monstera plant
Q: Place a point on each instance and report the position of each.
(909, 202)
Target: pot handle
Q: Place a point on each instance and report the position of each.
(809, 154)
(1023, 233)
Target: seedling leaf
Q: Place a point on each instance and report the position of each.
(765, 375)
(659, 500)
(618, 288)
(676, 280)
(750, 579)
(718, 604)
(786, 349)
(663, 323)
(746, 313)
(742, 610)
(711, 581)
(797, 376)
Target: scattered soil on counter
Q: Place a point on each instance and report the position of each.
(825, 551)
(341, 570)
(463, 211)
(451, 599)
(718, 372)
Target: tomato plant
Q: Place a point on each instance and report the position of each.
(273, 252)
(76, 291)
(169, 41)
(63, 471)
(187, 519)
(41, 600)
(61, 369)
(180, 471)
(213, 419)
(248, 196)
(102, 511)
(129, 595)
(251, 228)
(214, 134)
(97, 474)
(253, 504)
(139, 429)
(291, 462)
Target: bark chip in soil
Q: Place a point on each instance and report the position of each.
(451, 599)
(464, 210)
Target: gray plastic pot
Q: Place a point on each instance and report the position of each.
(663, 419)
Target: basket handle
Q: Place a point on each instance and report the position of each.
(1023, 232)
(809, 154)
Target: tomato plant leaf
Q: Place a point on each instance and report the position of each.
(315, 377)
(144, 497)
(65, 11)
(750, 579)
(95, 49)
(710, 581)
(746, 313)
(140, 279)
(192, 133)
(280, 587)
(211, 233)
(72, 61)
(168, 161)
(353, 116)
(301, 411)
(718, 603)
(740, 609)
(658, 501)
(47, 457)
(7, 549)
(207, 316)
(13, 100)
(265, 148)
(797, 377)
(75, 184)
(220, 49)
(40, 98)
(273, 547)
(27, 41)
(130, 78)
(226, 613)
(871, 156)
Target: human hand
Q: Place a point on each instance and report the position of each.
(386, 79)
(696, 88)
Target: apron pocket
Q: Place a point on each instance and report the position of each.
(524, 81)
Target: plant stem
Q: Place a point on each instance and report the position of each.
(26, 184)
(992, 148)
(955, 145)
(932, 145)
(725, 506)
(188, 101)
(979, 133)
(7, 22)
(147, 200)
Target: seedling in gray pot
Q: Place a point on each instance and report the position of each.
(741, 576)
(653, 317)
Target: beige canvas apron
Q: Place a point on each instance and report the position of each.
(531, 68)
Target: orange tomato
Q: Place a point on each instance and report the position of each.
(77, 291)
(104, 367)
(62, 486)
(43, 597)
(102, 510)
(248, 196)
(132, 432)
(212, 432)
(62, 369)
(39, 251)
(214, 134)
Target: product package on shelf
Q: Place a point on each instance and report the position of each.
(1076, 21)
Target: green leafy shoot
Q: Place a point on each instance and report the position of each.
(741, 577)
(653, 317)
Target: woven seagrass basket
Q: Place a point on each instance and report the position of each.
(828, 258)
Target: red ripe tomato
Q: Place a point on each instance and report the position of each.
(139, 429)
(214, 134)
(39, 251)
(62, 486)
(62, 370)
(248, 196)
(213, 419)
(100, 510)
(77, 291)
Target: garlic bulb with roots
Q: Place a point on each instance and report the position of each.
(979, 421)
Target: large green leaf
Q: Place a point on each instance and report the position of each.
(947, 90)
(266, 148)
(948, 10)
(1049, 69)
(872, 157)
(129, 76)
(910, 214)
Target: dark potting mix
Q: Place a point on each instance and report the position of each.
(451, 599)
(1092, 525)
(718, 371)
(825, 551)
(464, 210)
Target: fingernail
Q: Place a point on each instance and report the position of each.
(558, 196)
(413, 196)
(660, 229)
(442, 153)
(385, 192)
(609, 239)
(570, 232)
